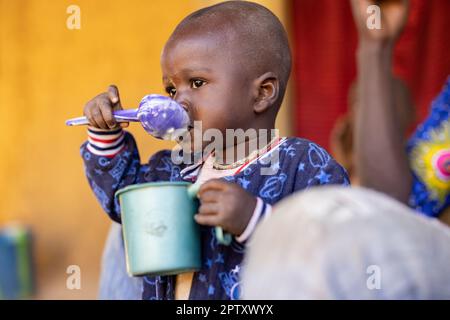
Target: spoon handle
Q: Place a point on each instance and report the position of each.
(128, 115)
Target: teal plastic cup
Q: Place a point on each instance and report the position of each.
(160, 234)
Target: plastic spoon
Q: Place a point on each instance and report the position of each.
(160, 116)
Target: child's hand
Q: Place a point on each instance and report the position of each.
(99, 110)
(225, 204)
(394, 14)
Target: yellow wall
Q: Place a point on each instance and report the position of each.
(47, 73)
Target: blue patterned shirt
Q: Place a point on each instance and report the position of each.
(301, 164)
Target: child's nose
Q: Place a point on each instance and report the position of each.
(184, 103)
(182, 100)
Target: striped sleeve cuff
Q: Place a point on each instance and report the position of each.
(262, 209)
(106, 143)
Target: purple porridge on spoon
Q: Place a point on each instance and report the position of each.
(160, 116)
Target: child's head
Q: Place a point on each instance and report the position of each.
(228, 64)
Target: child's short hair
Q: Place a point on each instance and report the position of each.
(261, 36)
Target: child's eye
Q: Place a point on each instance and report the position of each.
(171, 91)
(197, 83)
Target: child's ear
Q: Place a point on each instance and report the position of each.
(267, 88)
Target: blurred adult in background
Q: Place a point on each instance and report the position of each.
(371, 139)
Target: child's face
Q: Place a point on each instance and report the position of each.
(206, 75)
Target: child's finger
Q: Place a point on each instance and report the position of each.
(98, 117)
(213, 184)
(207, 220)
(88, 115)
(107, 114)
(210, 208)
(113, 94)
(210, 195)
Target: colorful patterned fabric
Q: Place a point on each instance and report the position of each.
(429, 152)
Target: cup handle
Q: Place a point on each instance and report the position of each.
(192, 190)
(222, 237)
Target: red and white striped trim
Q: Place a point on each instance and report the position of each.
(106, 143)
(104, 135)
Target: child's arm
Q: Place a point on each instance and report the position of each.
(110, 156)
(111, 165)
(228, 205)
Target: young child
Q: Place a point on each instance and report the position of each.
(228, 66)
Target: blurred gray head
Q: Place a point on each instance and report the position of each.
(347, 243)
